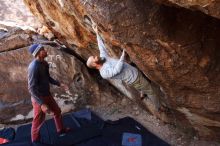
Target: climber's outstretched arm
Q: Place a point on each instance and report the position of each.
(101, 45)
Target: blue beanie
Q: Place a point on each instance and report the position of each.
(35, 48)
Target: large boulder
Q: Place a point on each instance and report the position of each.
(209, 7)
(175, 48)
(14, 13)
(14, 38)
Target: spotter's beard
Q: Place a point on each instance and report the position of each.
(101, 60)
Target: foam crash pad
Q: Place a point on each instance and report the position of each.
(6, 135)
(90, 130)
(113, 131)
(49, 135)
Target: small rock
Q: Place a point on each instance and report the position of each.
(135, 108)
(124, 101)
(137, 113)
(75, 98)
(88, 106)
(195, 138)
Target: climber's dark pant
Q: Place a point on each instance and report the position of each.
(39, 116)
(143, 85)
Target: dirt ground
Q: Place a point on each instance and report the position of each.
(167, 132)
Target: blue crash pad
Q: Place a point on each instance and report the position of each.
(89, 130)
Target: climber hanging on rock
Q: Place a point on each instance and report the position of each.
(111, 68)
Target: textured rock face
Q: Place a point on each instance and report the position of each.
(209, 7)
(13, 64)
(176, 48)
(15, 38)
(15, 103)
(14, 12)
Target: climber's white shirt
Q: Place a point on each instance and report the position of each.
(116, 68)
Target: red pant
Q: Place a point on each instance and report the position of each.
(39, 116)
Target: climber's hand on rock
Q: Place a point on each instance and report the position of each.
(95, 28)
